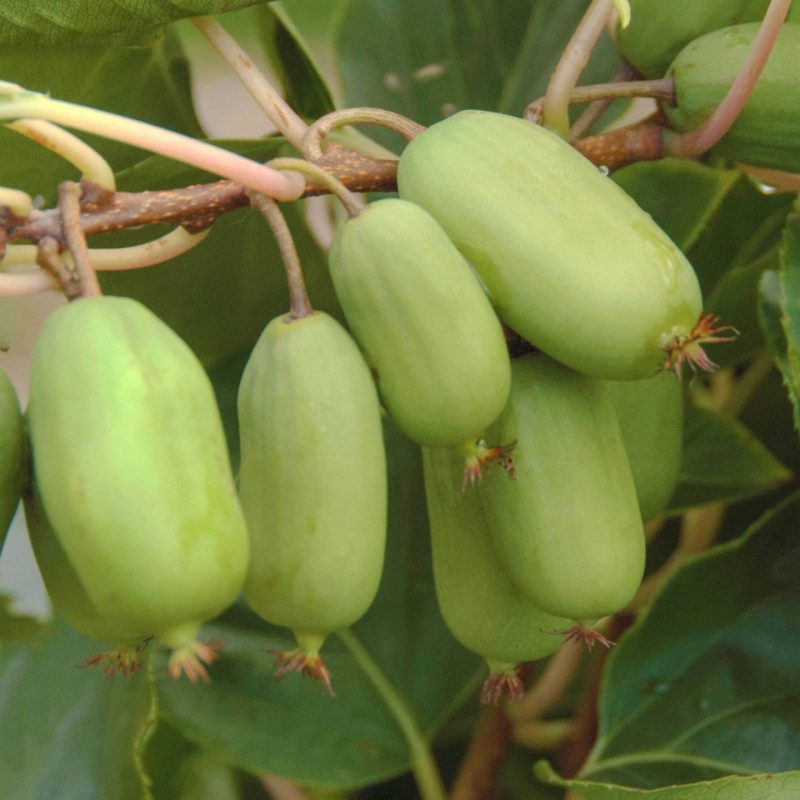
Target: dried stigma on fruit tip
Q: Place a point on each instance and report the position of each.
(478, 456)
(683, 349)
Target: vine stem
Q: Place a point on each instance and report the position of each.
(300, 304)
(406, 127)
(574, 59)
(269, 100)
(351, 203)
(17, 104)
(596, 108)
(92, 165)
(423, 765)
(724, 115)
(69, 202)
(18, 201)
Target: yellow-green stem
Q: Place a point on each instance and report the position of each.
(423, 765)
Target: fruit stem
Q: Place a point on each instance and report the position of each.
(351, 203)
(660, 89)
(18, 201)
(300, 304)
(69, 204)
(16, 102)
(406, 127)
(92, 165)
(724, 115)
(423, 765)
(573, 60)
(277, 110)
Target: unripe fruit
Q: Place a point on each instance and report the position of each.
(312, 482)
(64, 586)
(658, 31)
(482, 608)
(650, 415)
(568, 529)
(12, 443)
(132, 466)
(569, 260)
(423, 321)
(767, 131)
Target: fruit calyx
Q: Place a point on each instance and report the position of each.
(686, 348)
(478, 456)
(504, 681)
(585, 634)
(190, 658)
(122, 659)
(305, 662)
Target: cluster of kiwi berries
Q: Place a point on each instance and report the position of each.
(539, 469)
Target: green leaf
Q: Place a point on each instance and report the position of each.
(722, 463)
(221, 294)
(681, 196)
(70, 733)
(51, 22)
(435, 56)
(315, 27)
(148, 83)
(705, 685)
(746, 225)
(305, 87)
(782, 786)
(790, 288)
(735, 301)
(290, 727)
(770, 315)
(15, 628)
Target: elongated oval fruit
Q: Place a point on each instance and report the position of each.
(568, 529)
(481, 606)
(12, 448)
(569, 260)
(658, 31)
(423, 321)
(650, 415)
(132, 466)
(312, 482)
(767, 131)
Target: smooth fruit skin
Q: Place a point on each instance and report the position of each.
(650, 415)
(481, 606)
(64, 586)
(570, 262)
(12, 447)
(767, 131)
(424, 322)
(132, 465)
(312, 478)
(658, 30)
(568, 529)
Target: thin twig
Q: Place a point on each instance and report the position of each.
(479, 774)
(574, 59)
(69, 203)
(551, 685)
(300, 304)
(406, 127)
(280, 789)
(51, 262)
(597, 108)
(92, 165)
(269, 100)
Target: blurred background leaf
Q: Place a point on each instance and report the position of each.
(69, 733)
